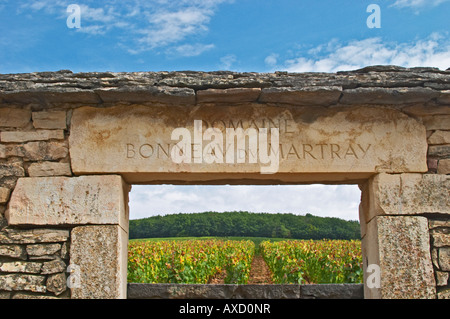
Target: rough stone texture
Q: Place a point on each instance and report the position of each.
(11, 282)
(325, 95)
(441, 278)
(4, 194)
(236, 95)
(40, 135)
(49, 169)
(14, 117)
(21, 266)
(13, 251)
(403, 247)
(441, 122)
(101, 254)
(444, 258)
(56, 283)
(444, 294)
(388, 95)
(343, 141)
(46, 151)
(409, 194)
(42, 249)
(69, 201)
(188, 291)
(49, 120)
(443, 166)
(439, 151)
(32, 236)
(53, 267)
(439, 137)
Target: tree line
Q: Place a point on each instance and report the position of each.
(244, 224)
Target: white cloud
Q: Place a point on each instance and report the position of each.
(227, 61)
(271, 60)
(417, 3)
(147, 24)
(189, 50)
(334, 56)
(320, 200)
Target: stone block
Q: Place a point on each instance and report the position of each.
(234, 95)
(43, 249)
(408, 194)
(13, 251)
(49, 169)
(46, 150)
(100, 252)
(13, 282)
(57, 283)
(4, 194)
(439, 151)
(69, 201)
(444, 258)
(49, 120)
(21, 266)
(443, 166)
(12, 117)
(39, 135)
(400, 95)
(314, 95)
(32, 236)
(437, 122)
(439, 137)
(136, 142)
(400, 246)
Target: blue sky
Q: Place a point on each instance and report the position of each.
(236, 35)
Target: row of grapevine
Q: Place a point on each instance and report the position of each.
(310, 261)
(190, 261)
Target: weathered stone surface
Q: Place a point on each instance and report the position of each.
(139, 94)
(437, 122)
(30, 295)
(32, 236)
(4, 194)
(49, 169)
(46, 151)
(12, 169)
(53, 267)
(137, 140)
(441, 278)
(5, 295)
(14, 117)
(444, 258)
(444, 166)
(388, 95)
(440, 239)
(69, 201)
(14, 251)
(56, 283)
(101, 254)
(12, 282)
(424, 110)
(439, 137)
(21, 266)
(218, 291)
(42, 249)
(49, 120)
(408, 194)
(444, 294)
(437, 223)
(439, 151)
(316, 95)
(444, 98)
(235, 95)
(39, 135)
(401, 248)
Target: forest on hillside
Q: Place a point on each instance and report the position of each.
(244, 224)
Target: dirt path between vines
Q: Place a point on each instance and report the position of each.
(259, 273)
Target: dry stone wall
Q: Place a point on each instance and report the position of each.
(36, 111)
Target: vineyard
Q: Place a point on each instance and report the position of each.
(199, 261)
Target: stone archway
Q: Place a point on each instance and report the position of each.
(69, 156)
